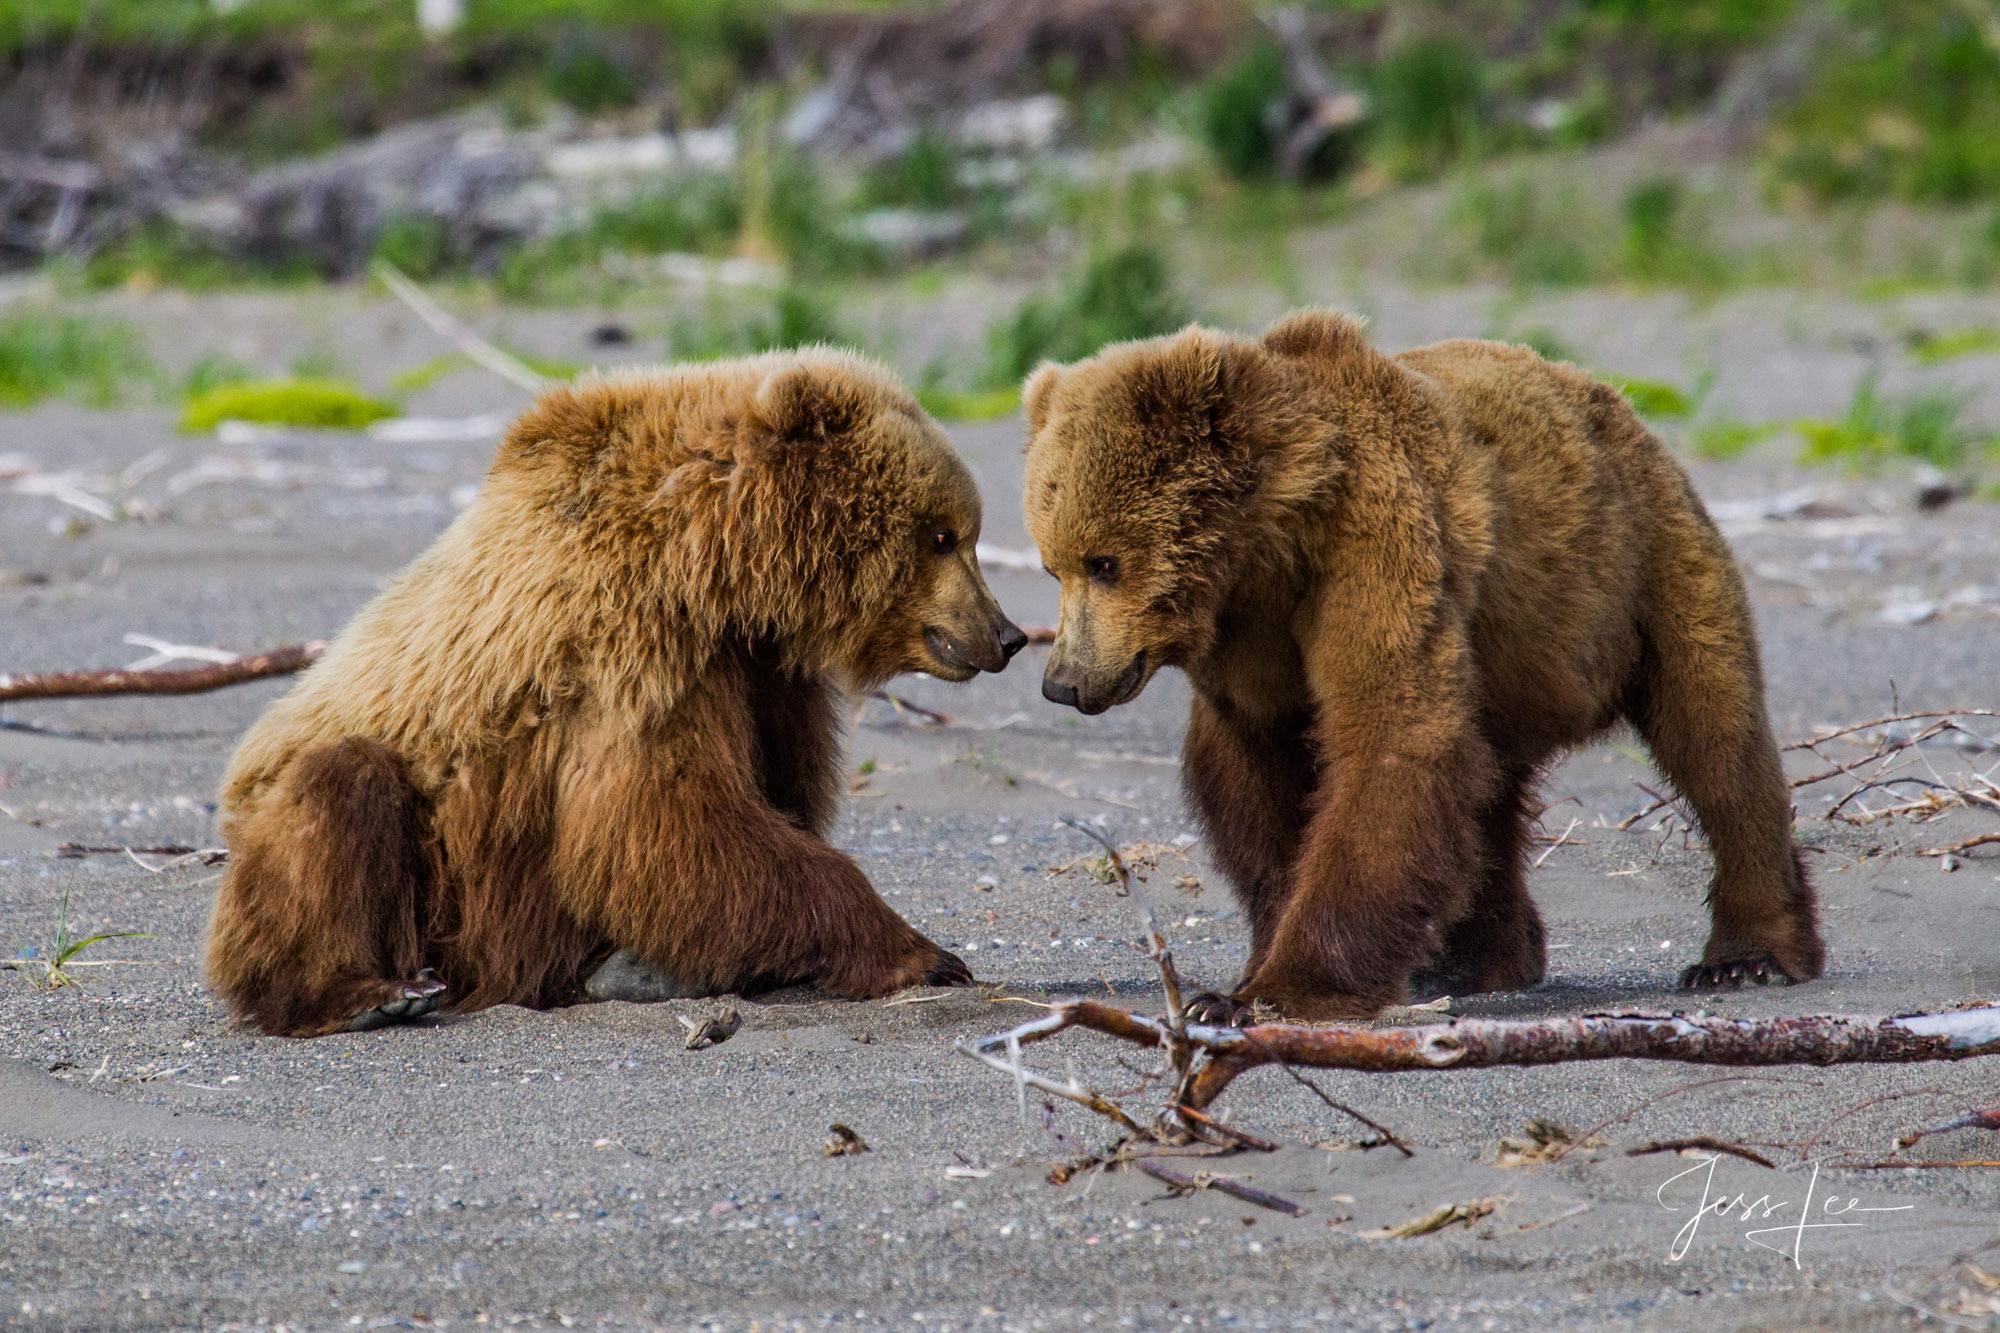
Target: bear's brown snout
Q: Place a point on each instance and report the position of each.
(1090, 693)
(987, 647)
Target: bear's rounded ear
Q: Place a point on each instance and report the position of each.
(797, 404)
(1316, 332)
(1041, 382)
(1184, 393)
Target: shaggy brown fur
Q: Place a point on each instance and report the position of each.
(1400, 587)
(601, 711)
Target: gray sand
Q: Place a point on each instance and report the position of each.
(580, 1167)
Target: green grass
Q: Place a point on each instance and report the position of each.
(1426, 106)
(1724, 440)
(977, 405)
(49, 355)
(1933, 348)
(1656, 399)
(792, 317)
(1233, 112)
(1926, 425)
(64, 950)
(1906, 106)
(321, 404)
(1121, 294)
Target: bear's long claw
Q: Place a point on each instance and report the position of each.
(1763, 971)
(419, 997)
(950, 970)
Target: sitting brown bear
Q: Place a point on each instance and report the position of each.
(601, 711)
(1399, 587)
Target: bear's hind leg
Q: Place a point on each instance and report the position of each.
(316, 930)
(1697, 697)
(1499, 944)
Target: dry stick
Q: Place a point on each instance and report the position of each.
(1986, 1117)
(1708, 1141)
(189, 680)
(1565, 1149)
(1820, 1132)
(1967, 844)
(1884, 721)
(504, 364)
(1185, 1184)
(928, 717)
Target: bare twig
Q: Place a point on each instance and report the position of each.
(504, 364)
(1708, 1141)
(189, 680)
(1986, 1117)
(1964, 845)
(1203, 1180)
(928, 717)
(1885, 721)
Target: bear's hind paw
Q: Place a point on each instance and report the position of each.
(1764, 971)
(414, 1000)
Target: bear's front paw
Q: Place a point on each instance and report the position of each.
(407, 1002)
(948, 970)
(1216, 1010)
(1730, 975)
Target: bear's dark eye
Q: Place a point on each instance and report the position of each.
(944, 541)
(1101, 568)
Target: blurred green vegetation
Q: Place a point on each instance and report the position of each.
(1119, 294)
(48, 355)
(1898, 100)
(1907, 105)
(792, 316)
(314, 403)
(1927, 424)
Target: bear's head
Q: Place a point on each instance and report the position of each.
(1151, 468)
(884, 517)
(801, 498)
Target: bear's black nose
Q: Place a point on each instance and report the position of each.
(1012, 639)
(1058, 693)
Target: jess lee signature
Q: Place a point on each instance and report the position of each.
(1834, 1213)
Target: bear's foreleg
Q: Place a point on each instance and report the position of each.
(1697, 696)
(669, 844)
(1249, 780)
(1499, 944)
(316, 927)
(1393, 849)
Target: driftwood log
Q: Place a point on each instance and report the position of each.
(1486, 1043)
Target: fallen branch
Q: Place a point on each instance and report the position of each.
(1488, 1043)
(188, 680)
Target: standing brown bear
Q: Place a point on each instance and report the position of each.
(1400, 586)
(601, 711)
